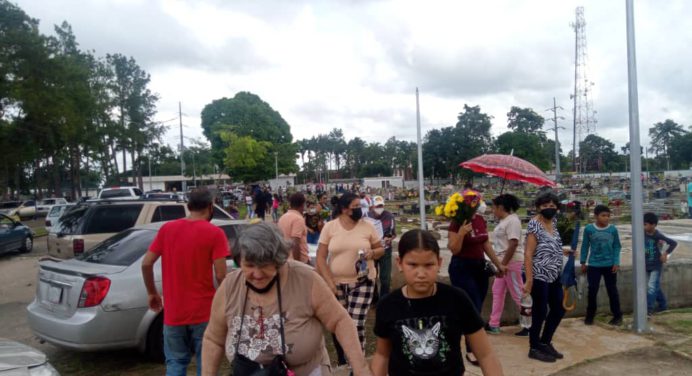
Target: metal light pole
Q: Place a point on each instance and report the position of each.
(638, 272)
(421, 188)
(150, 183)
(182, 149)
(276, 165)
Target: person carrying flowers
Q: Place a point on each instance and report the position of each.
(469, 244)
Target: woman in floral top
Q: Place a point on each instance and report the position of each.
(543, 264)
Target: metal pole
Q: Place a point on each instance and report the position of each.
(421, 188)
(276, 165)
(574, 114)
(638, 271)
(182, 148)
(557, 145)
(150, 183)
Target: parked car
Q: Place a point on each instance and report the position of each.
(160, 196)
(86, 225)
(15, 236)
(19, 359)
(54, 214)
(8, 206)
(97, 301)
(27, 209)
(119, 193)
(43, 206)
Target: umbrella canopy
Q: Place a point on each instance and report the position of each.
(508, 167)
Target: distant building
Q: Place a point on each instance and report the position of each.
(384, 182)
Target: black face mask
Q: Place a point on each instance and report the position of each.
(356, 214)
(265, 289)
(548, 213)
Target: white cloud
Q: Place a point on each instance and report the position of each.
(355, 65)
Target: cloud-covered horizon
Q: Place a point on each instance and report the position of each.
(355, 65)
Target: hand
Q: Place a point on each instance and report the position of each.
(332, 287)
(465, 229)
(527, 287)
(369, 254)
(664, 258)
(388, 240)
(583, 268)
(501, 270)
(155, 303)
(616, 268)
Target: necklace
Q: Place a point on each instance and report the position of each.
(406, 295)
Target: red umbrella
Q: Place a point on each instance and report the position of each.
(508, 167)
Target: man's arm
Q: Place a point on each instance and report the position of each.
(220, 269)
(154, 298)
(295, 248)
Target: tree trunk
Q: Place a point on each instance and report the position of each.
(57, 183)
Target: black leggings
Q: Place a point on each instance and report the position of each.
(547, 308)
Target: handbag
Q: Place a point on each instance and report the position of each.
(489, 269)
(243, 366)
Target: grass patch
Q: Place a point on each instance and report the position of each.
(39, 232)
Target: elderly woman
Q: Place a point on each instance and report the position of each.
(346, 255)
(271, 312)
(543, 265)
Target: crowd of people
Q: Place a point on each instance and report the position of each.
(268, 316)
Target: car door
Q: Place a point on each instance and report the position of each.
(6, 225)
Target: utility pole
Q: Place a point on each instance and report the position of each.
(276, 165)
(150, 184)
(421, 187)
(638, 262)
(557, 142)
(182, 148)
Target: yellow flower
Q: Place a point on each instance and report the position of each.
(439, 210)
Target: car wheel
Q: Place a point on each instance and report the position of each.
(154, 349)
(28, 245)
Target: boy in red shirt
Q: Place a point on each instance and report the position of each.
(190, 249)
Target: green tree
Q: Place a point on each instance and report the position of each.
(662, 135)
(531, 147)
(244, 154)
(246, 114)
(598, 154)
(681, 151)
(525, 120)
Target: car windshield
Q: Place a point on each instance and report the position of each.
(72, 220)
(122, 249)
(9, 205)
(111, 193)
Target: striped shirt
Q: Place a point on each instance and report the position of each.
(547, 258)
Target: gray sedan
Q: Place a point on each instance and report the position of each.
(97, 301)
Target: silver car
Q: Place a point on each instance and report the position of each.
(19, 359)
(97, 301)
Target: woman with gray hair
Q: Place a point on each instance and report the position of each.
(268, 315)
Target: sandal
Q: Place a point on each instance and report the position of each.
(472, 361)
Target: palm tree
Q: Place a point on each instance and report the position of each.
(662, 134)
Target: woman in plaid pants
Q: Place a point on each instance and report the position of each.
(348, 247)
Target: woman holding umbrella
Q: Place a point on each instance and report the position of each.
(469, 243)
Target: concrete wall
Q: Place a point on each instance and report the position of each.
(676, 282)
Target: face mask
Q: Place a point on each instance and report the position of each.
(312, 211)
(548, 213)
(357, 214)
(379, 211)
(482, 207)
(266, 288)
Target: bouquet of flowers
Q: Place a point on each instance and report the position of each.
(460, 207)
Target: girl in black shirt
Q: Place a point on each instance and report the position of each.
(419, 326)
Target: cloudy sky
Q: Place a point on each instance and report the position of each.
(355, 64)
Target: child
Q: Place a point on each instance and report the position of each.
(654, 262)
(419, 326)
(600, 250)
(313, 222)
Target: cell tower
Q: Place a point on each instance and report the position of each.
(584, 114)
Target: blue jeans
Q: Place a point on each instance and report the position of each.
(653, 291)
(179, 343)
(385, 266)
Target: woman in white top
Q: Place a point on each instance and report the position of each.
(506, 239)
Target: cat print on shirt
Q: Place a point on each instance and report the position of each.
(422, 343)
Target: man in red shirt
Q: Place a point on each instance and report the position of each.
(192, 252)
